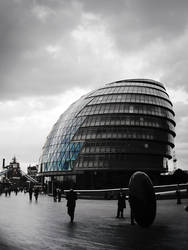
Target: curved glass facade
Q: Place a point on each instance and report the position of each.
(125, 125)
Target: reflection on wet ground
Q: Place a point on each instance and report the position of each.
(45, 225)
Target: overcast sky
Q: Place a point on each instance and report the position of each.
(54, 51)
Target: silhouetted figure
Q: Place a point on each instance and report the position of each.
(178, 195)
(45, 190)
(16, 191)
(36, 194)
(71, 197)
(6, 191)
(9, 191)
(30, 193)
(55, 194)
(59, 194)
(121, 204)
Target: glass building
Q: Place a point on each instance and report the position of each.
(110, 133)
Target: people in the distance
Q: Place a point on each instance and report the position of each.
(36, 193)
(59, 194)
(55, 194)
(121, 204)
(30, 193)
(71, 197)
(178, 195)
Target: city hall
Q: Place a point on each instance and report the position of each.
(110, 133)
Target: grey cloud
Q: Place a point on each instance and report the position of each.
(24, 30)
(27, 27)
(181, 116)
(135, 24)
(143, 26)
(175, 67)
(21, 30)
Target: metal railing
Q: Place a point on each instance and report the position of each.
(3, 172)
(29, 177)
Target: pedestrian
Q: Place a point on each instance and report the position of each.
(121, 204)
(36, 193)
(6, 191)
(16, 190)
(30, 193)
(55, 194)
(9, 191)
(178, 195)
(71, 197)
(59, 194)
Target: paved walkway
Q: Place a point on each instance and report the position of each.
(45, 225)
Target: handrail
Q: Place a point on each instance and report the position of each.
(3, 172)
(162, 188)
(29, 177)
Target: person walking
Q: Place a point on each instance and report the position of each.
(121, 204)
(16, 190)
(36, 193)
(6, 191)
(55, 194)
(71, 197)
(59, 194)
(9, 191)
(30, 193)
(178, 195)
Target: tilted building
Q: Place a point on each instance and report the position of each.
(110, 133)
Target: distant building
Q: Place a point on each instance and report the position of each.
(14, 172)
(32, 171)
(108, 134)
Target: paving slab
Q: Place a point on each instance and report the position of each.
(45, 225)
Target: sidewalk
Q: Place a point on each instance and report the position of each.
(45, 225)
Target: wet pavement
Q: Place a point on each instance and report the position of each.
(45, 225)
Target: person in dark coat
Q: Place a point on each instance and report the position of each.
(6, 191)
(55, 194)
(59, 194)
(36, 193)
(121, 204)
(30, 193)
(16, 190)
(178, 195)
(71, 197)
(9, 191)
